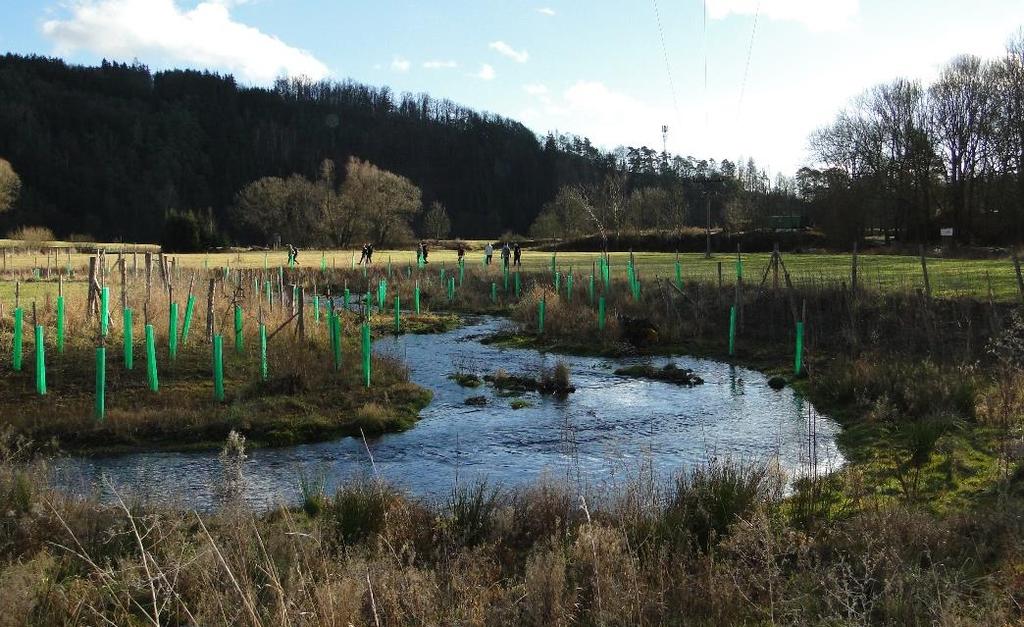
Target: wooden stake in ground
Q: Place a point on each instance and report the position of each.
(163, 269)
(149, 276)
(124, 284)
(209, 310)
(91, 301)
(924, 270)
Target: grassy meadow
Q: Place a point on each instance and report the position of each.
(921, 526)
(949, 278)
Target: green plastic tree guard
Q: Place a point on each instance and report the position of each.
(316, 308)
(104, 310)
(60, 325)
(330, 334)
(16, 346)
(151, 376)
(600, 313)
(367, 349)
(732, 330)
(347, 298)
(40, 361)
(263, 352)
(540, 316)
(679, 276)
(172, 332)
(494, 293)
(129, 353)
(218, 367)
(416, 297)
(239, 331)
(398, 315)
(100, 409)
(336, 345)
(190, 309)
(519, 286)
(798, 365)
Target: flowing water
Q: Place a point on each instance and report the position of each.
(607, 431)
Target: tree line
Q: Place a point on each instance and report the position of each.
(906, 159)
(192, 158)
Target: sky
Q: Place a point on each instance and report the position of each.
(730, 78)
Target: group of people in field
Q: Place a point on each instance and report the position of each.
(367, 255)
(511, 253)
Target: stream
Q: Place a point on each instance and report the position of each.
(608, 431)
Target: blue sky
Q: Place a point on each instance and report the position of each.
(596, 68)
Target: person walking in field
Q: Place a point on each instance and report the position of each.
(369, 254)
(461, 252)
(517, 255)
(293, 255)
(488, 253)
(363, 257)
(423, 251)
(506, 253)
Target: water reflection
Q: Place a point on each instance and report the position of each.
(608, 430)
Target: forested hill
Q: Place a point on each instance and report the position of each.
(108, 151)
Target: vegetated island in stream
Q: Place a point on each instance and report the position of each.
(303, 393)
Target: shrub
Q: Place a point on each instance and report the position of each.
(358, 511)
(32, 237)
(472, 510)
(181, 233)
(709, 498)
(312, 488)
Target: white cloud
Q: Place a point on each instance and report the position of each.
(400, 64)
(486, 72)
(592, 109)
(502, 48)
(535, 89)
(816, 15)
(548, 11)
(206, 36)
(440, 65)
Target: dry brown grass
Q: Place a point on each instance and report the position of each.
(539, 556)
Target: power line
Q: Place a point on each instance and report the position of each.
(750, 51)
(668, 66)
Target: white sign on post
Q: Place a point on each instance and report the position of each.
(946, 232)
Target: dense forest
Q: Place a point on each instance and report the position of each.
(117, 152)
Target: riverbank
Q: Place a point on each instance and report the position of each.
(914, 424)
(303, 396)
(719, 546)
